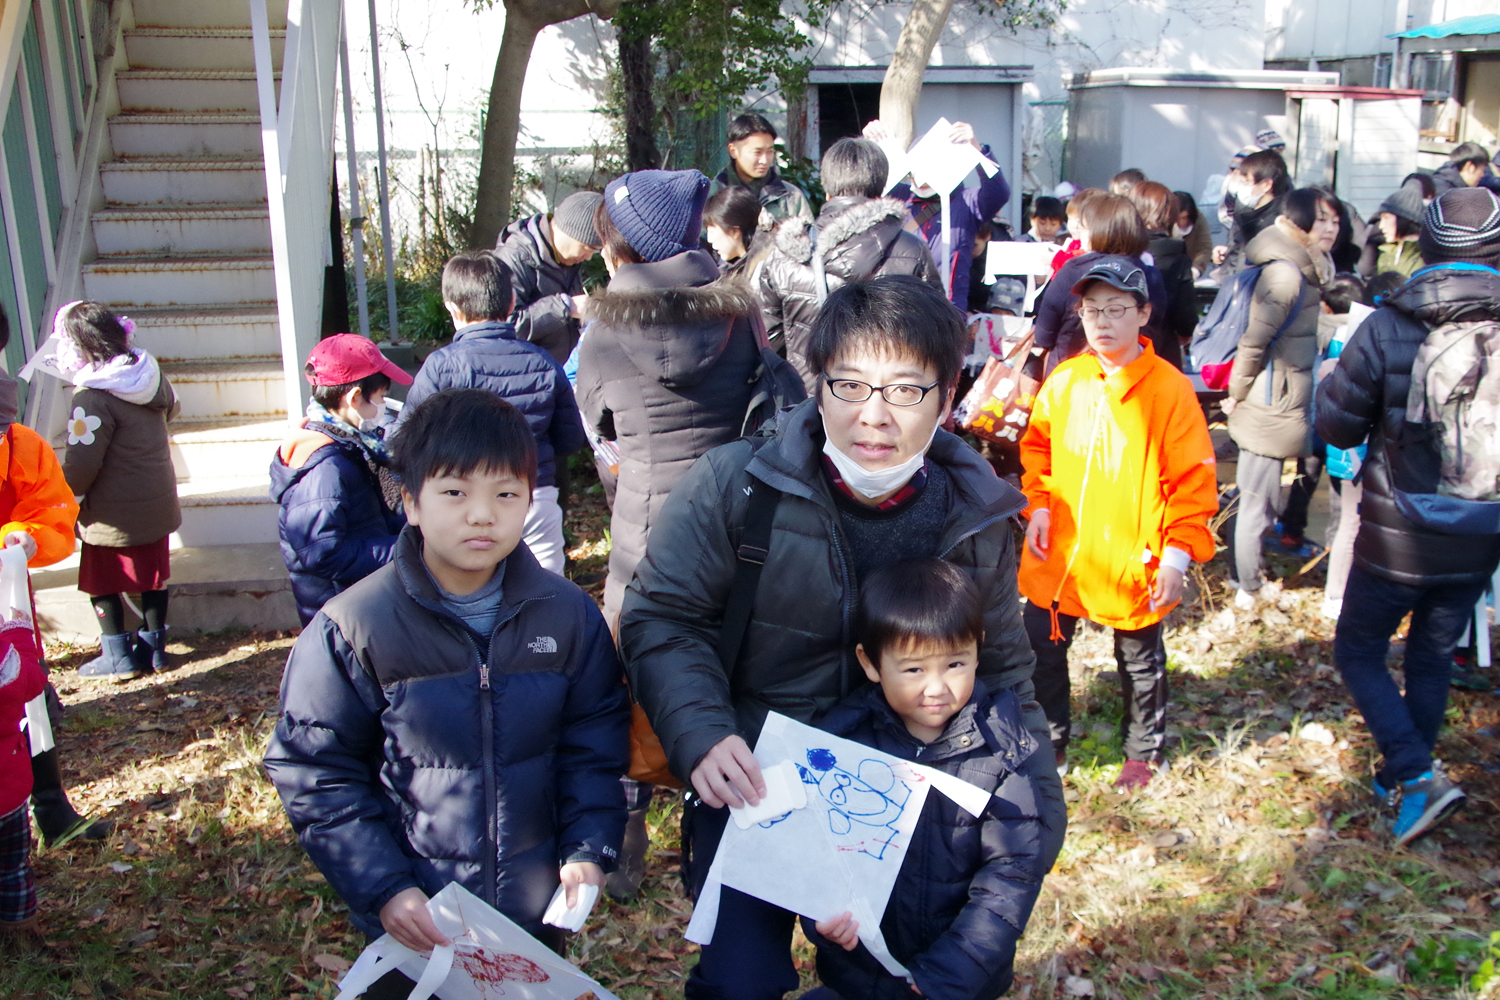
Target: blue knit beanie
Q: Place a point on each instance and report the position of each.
(659, 212)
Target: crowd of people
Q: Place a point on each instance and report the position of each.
(796, 528)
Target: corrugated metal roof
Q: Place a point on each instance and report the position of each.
(1477, 24)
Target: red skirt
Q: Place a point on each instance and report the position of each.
(134, 569)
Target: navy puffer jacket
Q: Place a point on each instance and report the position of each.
(1365, 397)
(334, 528)
(488, 356)
(411, 753)
(967, 884)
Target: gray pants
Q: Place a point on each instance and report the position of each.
(1259, 480)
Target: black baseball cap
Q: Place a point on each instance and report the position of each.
(1124, 273)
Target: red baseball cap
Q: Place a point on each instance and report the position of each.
(348, 357)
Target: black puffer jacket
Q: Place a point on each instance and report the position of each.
(1170, 257)
(409, 752)
(1365, 396)
(967, 884)
(544, 289)
(666, 371)
(857, 238)
(798, 656)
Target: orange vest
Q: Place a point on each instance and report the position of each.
(1125, 467)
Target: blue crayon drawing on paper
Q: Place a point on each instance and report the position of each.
(864, 806)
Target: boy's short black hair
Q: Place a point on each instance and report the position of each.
(917, 602)
(458, 431)
(1469, 153)
(331, 397)
(1342, 291)
(1048, 207)
(1383, 284)
(895, 313)
(1267, 165)
(748, 124)
(478, 283)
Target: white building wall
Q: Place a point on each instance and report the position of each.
(1336, 29)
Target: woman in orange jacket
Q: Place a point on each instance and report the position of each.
(1119, 474)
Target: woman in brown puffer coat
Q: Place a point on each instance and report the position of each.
(1270, 385)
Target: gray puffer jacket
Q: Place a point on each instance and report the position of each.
(798, 654)
(666, 371)
(857, 238)
(1271, 380)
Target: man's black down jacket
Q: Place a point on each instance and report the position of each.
(1365, 396)
(409, 752)
(543, 308)
(967, 884)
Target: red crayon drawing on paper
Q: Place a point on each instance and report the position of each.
(489, 969)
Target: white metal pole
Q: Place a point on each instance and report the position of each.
(385, 192)
(356, 218)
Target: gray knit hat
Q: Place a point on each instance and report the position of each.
(575, 216)
(1462, 225)
(1406, 202)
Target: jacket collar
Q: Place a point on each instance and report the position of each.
(1124, 381)
(791, 462)
(525, 580)
(541, 238)
(1449, 292)
(771, 188)
(489, 329)
(980, 722)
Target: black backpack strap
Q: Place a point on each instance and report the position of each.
(754, 548)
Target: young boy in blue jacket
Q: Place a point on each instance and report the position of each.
(967, 885)
(340, 504)
(486, 354)
(459, 715)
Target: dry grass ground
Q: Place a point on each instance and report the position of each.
(1258, 867)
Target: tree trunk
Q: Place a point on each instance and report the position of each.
(497, 159)
(902, 87)
(638, 73)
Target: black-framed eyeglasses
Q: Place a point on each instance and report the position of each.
(899, 394)
(1114, 313)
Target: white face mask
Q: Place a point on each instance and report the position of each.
(879, 483)
(1179, 233)
(368, 424)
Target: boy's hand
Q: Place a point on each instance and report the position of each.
(1037, 531)
(406, 919)
(1219, 254)
(21, 538)
(1167, 590)
(729, 775)
(842, 930)
(576, 873)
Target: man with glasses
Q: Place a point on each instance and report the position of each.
(1119, 475)
(860, 475)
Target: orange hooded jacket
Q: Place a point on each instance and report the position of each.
(1125, 466)
(34, 496)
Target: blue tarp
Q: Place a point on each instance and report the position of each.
(1478, 24)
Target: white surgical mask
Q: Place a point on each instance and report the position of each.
(1179, 233)
(879, 483)
(368, 424)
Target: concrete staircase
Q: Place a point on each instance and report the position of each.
(184, 249)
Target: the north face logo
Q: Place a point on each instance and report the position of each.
(542, 644)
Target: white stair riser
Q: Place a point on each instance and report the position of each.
(148, 51)
(210, 340)
(183, 235)
(221, 459)
(131, 138)
(168, 186)
(203, 14)
(247, 397)
(229, 524)
(165, 94)
(132, 286)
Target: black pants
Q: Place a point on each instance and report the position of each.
(1141, 659)
(1294, 515)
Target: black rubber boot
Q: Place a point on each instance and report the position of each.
(625, 881)
(58, 820)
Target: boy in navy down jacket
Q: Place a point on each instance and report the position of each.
(340, 505)
(459, 715)
(485, 354)
(967, 885)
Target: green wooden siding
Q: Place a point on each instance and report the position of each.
(31, 51)
(67, 48)
(28, 219)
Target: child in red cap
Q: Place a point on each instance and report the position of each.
(340, 503)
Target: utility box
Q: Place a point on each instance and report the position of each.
(1359, 141)
(1181, 128)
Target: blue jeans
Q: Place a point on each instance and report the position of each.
(1405, 727)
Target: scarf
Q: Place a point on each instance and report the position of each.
(370, 443)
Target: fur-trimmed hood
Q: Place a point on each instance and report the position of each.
(673, 318)
(842, 219)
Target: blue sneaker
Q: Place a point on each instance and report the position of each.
(1425, 802)
(1385, 797)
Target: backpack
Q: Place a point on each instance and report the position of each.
(1450, 441)
(1217, 338)
(778, 386)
